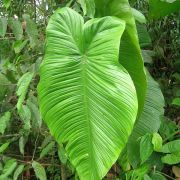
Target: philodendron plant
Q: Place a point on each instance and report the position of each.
(89, 88)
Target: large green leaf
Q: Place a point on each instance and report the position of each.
(149, 121)
(159, 8)
(86, 97)
(130, 54)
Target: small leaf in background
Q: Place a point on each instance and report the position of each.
(8, 168)
(167, 128)
(88, 7)
(47, 149)
(23, 85)
(68, 4)
(143, 35)
(123, 161)
(176, 171)
(157, 142)
(22, 143)
(157, 176)
(19, 45)
(176, 101)
(171, 147)
(169, 1)
(3, 147)
(36, 117)
(147, 56)
(46, 141)
(4, 86)
(176, 75)
(146, 177)
(16, 28)
(4, 121)
(25, 115)
(31, 30)
(159, 51)
(6, 3)
(39, 170)
(138, 16)
(155, 161)
(18, 171)
(3, 26)
(171, 158)
(159, 8)
(62, 154)
(77, 7)
(146, 147)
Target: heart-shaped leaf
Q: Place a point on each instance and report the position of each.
(86, 97)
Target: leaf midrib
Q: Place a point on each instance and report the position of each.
(84, 64)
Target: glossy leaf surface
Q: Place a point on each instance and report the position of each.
(86, 97)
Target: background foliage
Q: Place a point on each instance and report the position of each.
(27, 149)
